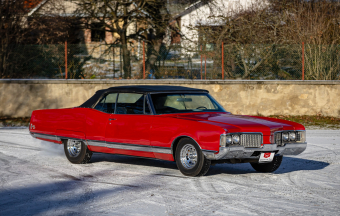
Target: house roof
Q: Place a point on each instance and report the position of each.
(35, 5)
(29, 4)
(190, 8)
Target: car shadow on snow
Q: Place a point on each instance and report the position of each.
(68, 195)
(132, 160)
(289, 164)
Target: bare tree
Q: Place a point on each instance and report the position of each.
(11, 32)
(249, 33)
(267, 33)
(316, 23)
(20, 29)
(128, 21)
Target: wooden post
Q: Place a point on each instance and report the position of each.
(303, 60)
(201, 63)
(143, 59)
(205, 66)
(222, 62)
(65, 59)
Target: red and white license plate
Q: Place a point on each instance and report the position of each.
(266, 157)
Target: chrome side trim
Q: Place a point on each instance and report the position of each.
(125, 146)
(132, 147)
(45, 136)
(209, 152)
(72, 138)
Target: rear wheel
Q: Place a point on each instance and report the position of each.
(76, 151)
(268, 167)
(190, 159)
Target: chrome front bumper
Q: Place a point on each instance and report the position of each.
(241, 152)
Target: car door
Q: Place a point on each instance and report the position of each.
(97, 121)
(128, 131)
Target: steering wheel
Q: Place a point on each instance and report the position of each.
(201, 107)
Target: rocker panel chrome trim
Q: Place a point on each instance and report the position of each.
(132, 147)
(125, 146)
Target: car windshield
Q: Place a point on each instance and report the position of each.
(181, 103)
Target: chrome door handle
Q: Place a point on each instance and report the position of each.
(112, 119)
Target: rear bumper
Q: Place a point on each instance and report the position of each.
(47, 137)
(240, 152)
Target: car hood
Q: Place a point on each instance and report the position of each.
(238, 123)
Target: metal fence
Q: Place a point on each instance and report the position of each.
(209, 61)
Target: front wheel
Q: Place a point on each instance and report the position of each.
(190, 159)
(268, 167)
(76, 151)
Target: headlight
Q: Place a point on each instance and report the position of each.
(228, 140)
(285, 137)
(236, 139)
(292, 136)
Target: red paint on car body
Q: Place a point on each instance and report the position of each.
(151, 130)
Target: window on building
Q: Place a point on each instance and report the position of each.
(97, 32)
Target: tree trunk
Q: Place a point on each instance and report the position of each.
(126, 57)
(126, 62)
(153, 52)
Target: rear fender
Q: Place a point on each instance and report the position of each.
(67, 134)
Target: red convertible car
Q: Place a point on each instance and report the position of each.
(171, 123)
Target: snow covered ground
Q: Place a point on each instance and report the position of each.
(37, 179)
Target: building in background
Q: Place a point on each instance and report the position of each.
(202, 14)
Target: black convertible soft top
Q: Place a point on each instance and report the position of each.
(138, 89)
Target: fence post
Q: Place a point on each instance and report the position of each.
(222, 62)
(201, 63)
(303, 60)
(205, 66)
(65, 59)
(143, 59)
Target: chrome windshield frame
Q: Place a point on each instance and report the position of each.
(186, 92)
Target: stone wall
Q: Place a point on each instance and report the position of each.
(18, 98)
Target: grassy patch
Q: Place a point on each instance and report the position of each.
(313, 122)
(14, 122)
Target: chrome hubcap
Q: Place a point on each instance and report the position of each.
(188, 156)
(73, 147)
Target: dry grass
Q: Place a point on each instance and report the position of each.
(313, 122)
(14, 122)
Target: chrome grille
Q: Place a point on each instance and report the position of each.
(251, 140)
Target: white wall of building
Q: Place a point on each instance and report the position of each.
(203, 16)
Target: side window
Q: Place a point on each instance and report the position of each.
(107, 103)
(146, 105)
(130, 103)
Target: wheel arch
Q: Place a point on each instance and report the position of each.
(176, 141)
